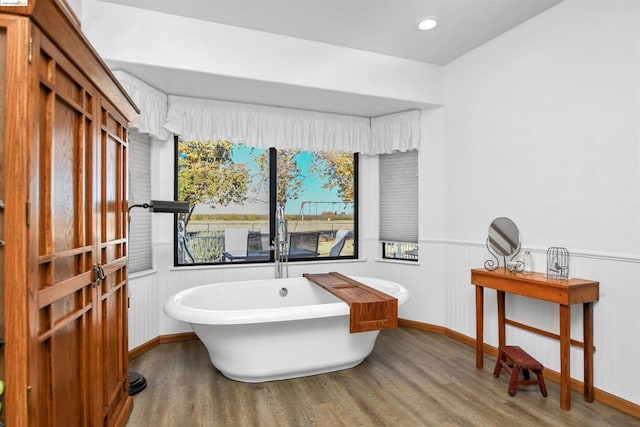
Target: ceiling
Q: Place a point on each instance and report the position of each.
(383, 26)
(209, 86)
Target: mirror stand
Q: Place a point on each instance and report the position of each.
(503, 240)
(492, 265)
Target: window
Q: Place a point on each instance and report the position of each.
(399, 205)
(234, 191)
(139, 192)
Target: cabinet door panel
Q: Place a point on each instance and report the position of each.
(66, 371)
(3, 92)
(112, 243)
(63, 207)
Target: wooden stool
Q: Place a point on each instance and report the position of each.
(519, 360)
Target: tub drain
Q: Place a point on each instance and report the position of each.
(283, 292)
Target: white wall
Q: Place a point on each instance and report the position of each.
(545, 118)
(76, 6)
(542, 125)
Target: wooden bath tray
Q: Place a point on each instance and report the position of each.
(371, 310)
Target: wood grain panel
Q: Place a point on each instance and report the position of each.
(110, 186)
(112, 244)
(20, 95)
(114, 361)
(3, 83)
(537, 285)
(63, 187)
(68, 374)
(66, 300)
(46, 104)
(68, 87)
(371, 310)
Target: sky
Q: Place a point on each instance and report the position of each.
(313, 190)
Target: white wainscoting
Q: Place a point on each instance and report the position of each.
(143, 308)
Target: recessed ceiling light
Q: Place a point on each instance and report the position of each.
(428, 23)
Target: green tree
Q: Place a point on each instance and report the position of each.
(208, 175)
(337, 169)
(290, 176)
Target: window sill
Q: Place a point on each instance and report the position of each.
(329, 261)
(397, 261)
(262, 264)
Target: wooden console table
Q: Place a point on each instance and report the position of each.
(563, 292)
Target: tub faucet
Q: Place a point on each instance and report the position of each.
(281, 247)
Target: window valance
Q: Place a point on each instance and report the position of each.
(395, 132)
(151, 102)
(265, 126)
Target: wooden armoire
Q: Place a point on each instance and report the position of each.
(63, 279)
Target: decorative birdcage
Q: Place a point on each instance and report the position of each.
(558, 263)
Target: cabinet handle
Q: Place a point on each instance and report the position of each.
(1, 204)
(1, 243)
(98, 273)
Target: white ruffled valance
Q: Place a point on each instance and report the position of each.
(151, 102)
(395, 132)
(264, 126)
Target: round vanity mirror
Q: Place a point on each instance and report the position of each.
(504, 237)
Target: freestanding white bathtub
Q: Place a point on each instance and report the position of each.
(274, 329)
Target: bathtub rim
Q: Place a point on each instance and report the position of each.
(178, 311)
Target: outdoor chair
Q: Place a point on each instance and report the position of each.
(235, 244)
(256, 248)
(303, 244)
(338, 242)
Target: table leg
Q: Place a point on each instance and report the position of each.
(479, 327)
(502, 336)
(587, 309)
(565, 357)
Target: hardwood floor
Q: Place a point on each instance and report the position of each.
(412, 378)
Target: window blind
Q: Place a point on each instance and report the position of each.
(399, 196)
(139, 192)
